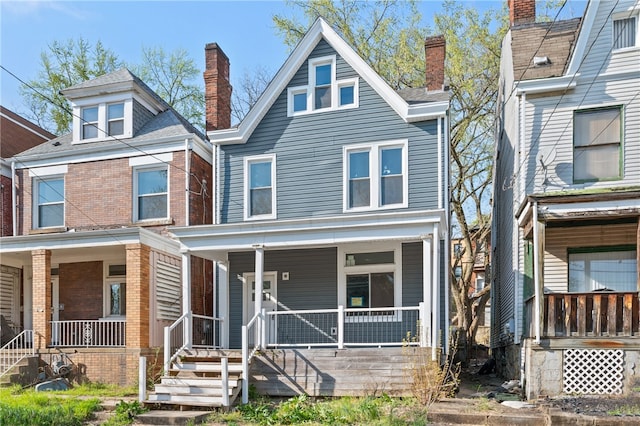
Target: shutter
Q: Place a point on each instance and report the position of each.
(168, 291)
(8, 279)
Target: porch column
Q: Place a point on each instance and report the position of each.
(259, 272)
(137, 295)
(638, 254)
(223, 301)
(426, 287)
(538, 274)
(435, 298)
(186, 295)
(41, 261)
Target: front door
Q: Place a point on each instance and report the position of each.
(269, 300)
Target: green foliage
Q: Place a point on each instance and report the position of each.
(125, 413)
(64, 64)
(28, 407)
(102, 390)
(175, 78)
(625, 410)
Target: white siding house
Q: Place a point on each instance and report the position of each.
(566, 230)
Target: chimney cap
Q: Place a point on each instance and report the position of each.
(215, 46)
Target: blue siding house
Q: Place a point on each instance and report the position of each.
(331, 202)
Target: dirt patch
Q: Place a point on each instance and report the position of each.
(596, 405)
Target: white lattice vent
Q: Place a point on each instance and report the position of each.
(593, 371)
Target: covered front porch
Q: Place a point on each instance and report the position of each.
(108, 291)
(581, 314)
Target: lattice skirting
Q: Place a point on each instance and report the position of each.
(593, 371)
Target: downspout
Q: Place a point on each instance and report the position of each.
(187, 175)
(517, 196)
(447, 247)
(536, 275)
(218, 209)
(14, 199)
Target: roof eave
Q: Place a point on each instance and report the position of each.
(545, 85)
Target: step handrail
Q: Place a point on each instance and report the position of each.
(17, 349)
(247, 353)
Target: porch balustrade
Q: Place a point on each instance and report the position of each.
(595, 314)
(344, 327)
(190, 330)
(88, 333)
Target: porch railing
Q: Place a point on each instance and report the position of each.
(190, 331)
(89, 333)
(17, 349)
(345, 327)
(595, 314)
(252, 334)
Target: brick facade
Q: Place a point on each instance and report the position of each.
(138, 281)
(41, 260)
(111, 182)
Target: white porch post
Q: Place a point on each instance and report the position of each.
(259, 277)
(537, 274)
(186, 295)
(435, 297)
(426, 287)
(223, 302)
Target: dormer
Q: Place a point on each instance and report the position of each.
(112, 106)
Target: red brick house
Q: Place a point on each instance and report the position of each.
(98, 277)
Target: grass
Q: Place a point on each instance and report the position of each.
(625, 410)
(380, 411)
(71, 407)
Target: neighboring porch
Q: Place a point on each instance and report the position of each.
(581, 308)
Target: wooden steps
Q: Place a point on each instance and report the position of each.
(195, 379)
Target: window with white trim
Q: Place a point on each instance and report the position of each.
(260, 187)
(48, 198)
(597, 144)
(625, 32)
(96, 121)
(323, 91)
(598, 268)
(370, 277)
(376, 176)
(115, 119)
(90, 123)
(115, 291)
(151, 193)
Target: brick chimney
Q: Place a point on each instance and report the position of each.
(217, 88)
(434, 53)
(522, 12)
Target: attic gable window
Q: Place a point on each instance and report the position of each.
(625, 32)
(323, 91)
(90, 123)
(115, 118)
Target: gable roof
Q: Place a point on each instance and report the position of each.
(554, 40)
(425, 109)
(18, 134)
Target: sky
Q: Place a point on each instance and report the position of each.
(243, 29)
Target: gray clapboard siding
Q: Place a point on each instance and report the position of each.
(309, 156)
(311, 284)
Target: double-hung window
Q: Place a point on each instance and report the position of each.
(323, 91)
(49, 200)
(90, 123)
(151, 186)
(597, 144)
(260, 188)
(376, 175)
(625, 32)
(596, 268)
(115, 119)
